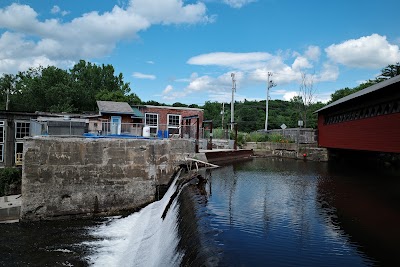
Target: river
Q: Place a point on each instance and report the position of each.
(261, 212)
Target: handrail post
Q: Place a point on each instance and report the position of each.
(197, 134)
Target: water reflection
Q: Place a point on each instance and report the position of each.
(285, 212)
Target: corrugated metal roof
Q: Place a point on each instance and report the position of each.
(365, 91)
(111, 107)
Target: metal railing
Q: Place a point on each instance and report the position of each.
(143, 130)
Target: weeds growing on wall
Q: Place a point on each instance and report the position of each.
(10, 181)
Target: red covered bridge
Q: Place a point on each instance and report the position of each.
(367, 120)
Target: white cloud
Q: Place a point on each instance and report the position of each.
(170, 11)
(168, 89)
(150, 62)
(372, 51)
(289, 95)
(301, 63)
(329, 72)
(313, 52)
(232, 60)
(91, 35)
(57, 9)
(238, 3)
(139, 75)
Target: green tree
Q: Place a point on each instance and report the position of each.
(212, 111)
(7, 88)
(179, 104)
(93, 82)
(390, 71)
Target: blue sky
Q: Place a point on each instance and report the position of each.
(185, 51)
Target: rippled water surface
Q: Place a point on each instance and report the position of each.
(274, 212)
(262, 212)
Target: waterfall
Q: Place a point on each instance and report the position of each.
(143, 238)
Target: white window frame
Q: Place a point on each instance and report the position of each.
(16, 129)
(174, 126)
(152, 126)
(18, 156)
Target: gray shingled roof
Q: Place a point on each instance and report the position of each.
(111, 107)
(365, 91)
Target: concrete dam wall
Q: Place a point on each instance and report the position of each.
(78, 176)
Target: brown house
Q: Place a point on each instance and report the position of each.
(116, 118)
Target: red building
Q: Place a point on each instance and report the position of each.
(171, 119)
(367, 120)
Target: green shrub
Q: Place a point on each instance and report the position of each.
(10, 181)
(278, 138)
(257, 137)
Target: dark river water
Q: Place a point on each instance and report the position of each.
(262, 212)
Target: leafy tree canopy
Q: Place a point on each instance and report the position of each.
(51, 89)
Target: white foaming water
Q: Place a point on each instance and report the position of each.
(141, 239)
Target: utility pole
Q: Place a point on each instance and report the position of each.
(270, 84)
(8, 98)
(233, 101)
(223, 113)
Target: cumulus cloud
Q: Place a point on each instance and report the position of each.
(289, 95)
(301, 63)
(238, 3)
(91, 35)
(372, 51)
(139, 75)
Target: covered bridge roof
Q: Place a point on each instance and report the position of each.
(365, 91)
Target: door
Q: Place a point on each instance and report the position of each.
(115, 124)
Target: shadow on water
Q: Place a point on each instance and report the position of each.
(45, 243)
(363, 199)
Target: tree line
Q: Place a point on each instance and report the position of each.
(50, 89)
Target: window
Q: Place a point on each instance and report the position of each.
(2, 141)
(174, 124)
(152, 122)
(21, 129)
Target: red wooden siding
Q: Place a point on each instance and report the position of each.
(380, 133)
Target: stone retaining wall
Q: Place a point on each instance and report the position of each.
(79, 176)
(288, 150)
